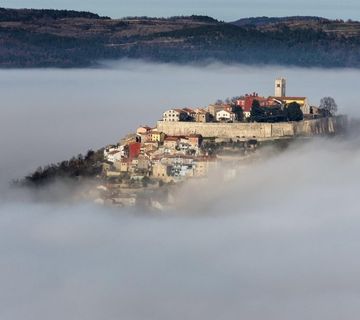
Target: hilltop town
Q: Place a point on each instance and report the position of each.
(188, 142)
(147, 166)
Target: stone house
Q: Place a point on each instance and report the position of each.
(157, 136)
(171, 142)
(214, 108)
(122, 166)
(202, 115)
(161, 171)
(174, 115)
(144, 133)
(225, 116)
(195, 140)
(143, 130)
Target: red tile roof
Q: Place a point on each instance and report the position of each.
(248, 102)
(188, 110)
(171, 138)
(178, 110)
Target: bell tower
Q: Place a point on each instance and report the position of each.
(280, 87)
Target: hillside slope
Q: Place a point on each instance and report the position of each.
(60, 38)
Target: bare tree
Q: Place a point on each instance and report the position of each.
(328, 106)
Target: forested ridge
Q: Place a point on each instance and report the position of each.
(63, 38)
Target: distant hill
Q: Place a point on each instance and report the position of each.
(339, 28)
(33, 14)
(266, 21)
(62, 38)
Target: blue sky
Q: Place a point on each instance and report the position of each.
(225, 9)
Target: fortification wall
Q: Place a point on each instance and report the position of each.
(260, 131)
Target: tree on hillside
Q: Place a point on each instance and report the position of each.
(328, 106)
(293, 112)
(257, 114)
(89, 165)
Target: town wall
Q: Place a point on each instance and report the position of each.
(259, 131)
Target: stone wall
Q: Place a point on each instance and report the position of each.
(260, 131)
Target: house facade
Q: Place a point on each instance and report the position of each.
(143, 130)
(224, 115)
(157, 136)
(202, 115)
(174, 115)
(195, 140)
(171, 142)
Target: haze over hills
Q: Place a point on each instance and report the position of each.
(62, 38)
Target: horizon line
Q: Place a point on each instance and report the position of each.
(184, 15)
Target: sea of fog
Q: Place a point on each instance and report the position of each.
(278, 242)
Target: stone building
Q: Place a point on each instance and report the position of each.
(280, 87)
(224, 115)
(175, 115)
(202, 115)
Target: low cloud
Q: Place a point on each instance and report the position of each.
(279, 241)
(49, 115)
